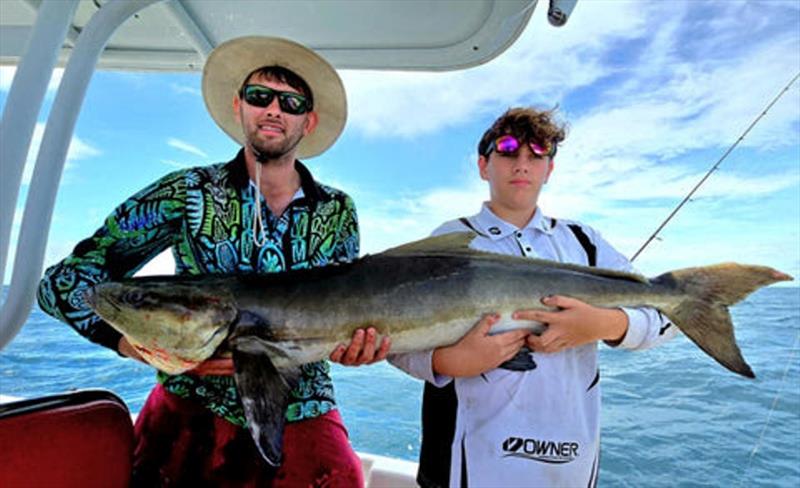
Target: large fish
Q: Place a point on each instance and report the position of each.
(424, 294)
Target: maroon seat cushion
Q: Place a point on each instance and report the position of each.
(81, 439)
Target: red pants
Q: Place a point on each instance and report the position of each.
(181, 443)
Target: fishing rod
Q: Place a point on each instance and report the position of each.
(715, 167)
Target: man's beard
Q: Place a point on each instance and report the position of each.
(265, 152)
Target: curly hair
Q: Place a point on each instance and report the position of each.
(527, 124)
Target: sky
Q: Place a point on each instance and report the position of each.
(653, 93)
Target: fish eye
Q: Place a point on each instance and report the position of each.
(133, 297)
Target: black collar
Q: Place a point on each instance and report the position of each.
(237, 169)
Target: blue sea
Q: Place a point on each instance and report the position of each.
(671, 416)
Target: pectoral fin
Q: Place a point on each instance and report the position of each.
(522, 361)
(263, 387)
(264, 391)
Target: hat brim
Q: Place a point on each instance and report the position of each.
(229, 64)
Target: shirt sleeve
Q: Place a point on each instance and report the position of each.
(647, 327)
(420, 366)
(135, 232)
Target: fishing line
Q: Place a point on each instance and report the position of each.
(772, 409)
(714, 168)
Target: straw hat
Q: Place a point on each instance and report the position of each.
(229, 64)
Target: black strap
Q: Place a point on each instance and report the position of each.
(588, 246)
(439, 407)
(522, 361)
(464, 478)
(471, 227)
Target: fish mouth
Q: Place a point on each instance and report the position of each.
(90, 297)
(96, 300)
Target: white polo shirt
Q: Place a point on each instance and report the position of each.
(524, 428)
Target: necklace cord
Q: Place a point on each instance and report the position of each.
(259, 233)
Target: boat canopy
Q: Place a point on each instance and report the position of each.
(176, 35)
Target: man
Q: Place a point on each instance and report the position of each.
(495, 413)
(261, 212)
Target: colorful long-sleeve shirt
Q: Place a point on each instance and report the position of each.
(205, 215)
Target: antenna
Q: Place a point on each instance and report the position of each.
(716, 165)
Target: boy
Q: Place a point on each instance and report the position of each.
(532, 421)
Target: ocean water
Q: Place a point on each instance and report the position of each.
(671, 415)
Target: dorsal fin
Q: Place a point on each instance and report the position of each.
(457, 244)
(452, 243)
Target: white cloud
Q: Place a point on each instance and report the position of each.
(678, 88)
(176, 164)
(163, 264)
(185, 89)
(694, 89)
(186, 147)
(699, 106)
(7, 76)
(573, 194)
(692, 245)
(387, 223)
(544, 64)
(575, 186)
(78, 149)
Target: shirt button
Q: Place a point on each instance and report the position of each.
(527, 249)
(519, 234)
(494, 231)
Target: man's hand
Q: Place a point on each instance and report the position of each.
(126, 349)
(575, 323)
(214, 366)
(478, 352)
(361, 349)
(222, 366)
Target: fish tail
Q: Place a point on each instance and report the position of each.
(703, 315)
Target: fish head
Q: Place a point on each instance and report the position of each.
(174, 325)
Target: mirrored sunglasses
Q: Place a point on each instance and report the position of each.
(262, 96)
(508, 145)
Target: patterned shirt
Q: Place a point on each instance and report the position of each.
(204, 215)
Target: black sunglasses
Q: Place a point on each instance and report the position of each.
(262, 96)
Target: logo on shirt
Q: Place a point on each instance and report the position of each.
(543, 451)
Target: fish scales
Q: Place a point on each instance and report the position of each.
(404, 298)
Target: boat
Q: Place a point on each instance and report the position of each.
(81, 36)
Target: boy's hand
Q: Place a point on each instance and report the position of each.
(361, 349)
(478, 352)
(575, 323)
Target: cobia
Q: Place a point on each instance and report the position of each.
(423, 295)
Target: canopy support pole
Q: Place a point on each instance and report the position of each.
(50, 162)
